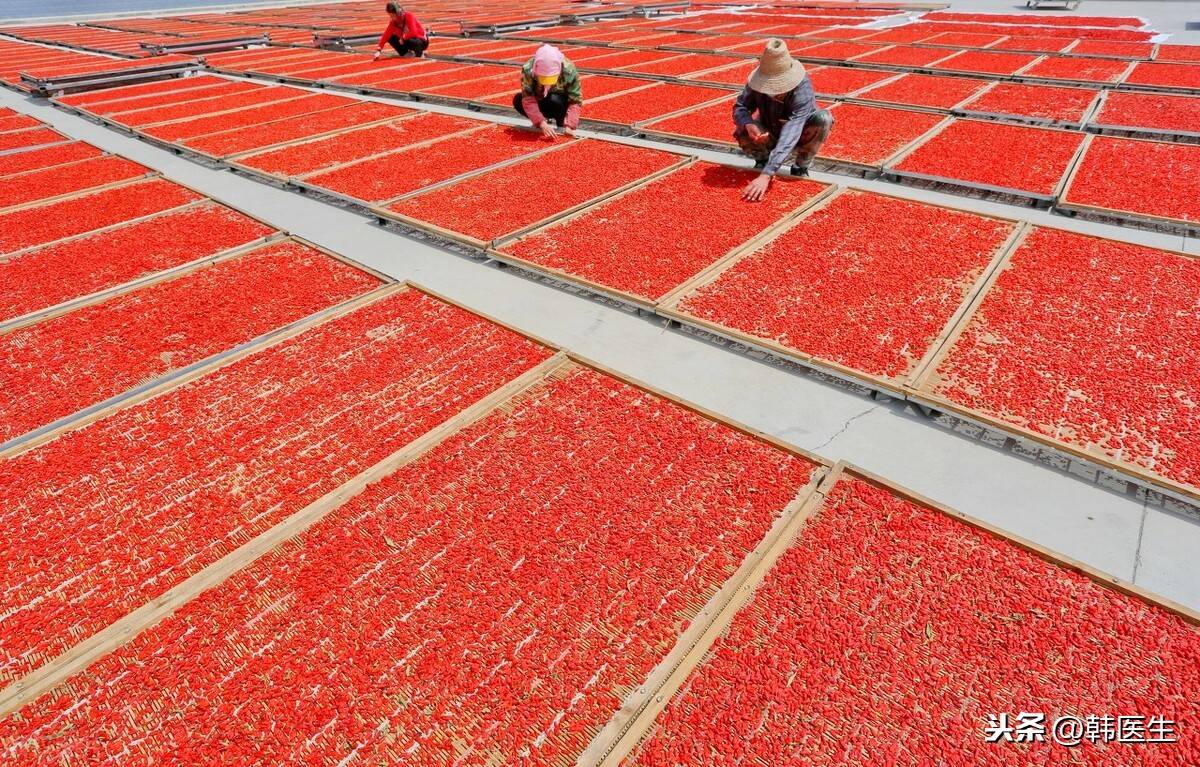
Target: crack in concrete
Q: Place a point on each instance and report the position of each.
(1137, 551)
(845, 426)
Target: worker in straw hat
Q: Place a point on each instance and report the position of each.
(776, 118)
(550, 92)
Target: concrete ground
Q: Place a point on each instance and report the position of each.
(1132, 535)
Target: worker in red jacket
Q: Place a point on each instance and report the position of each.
(404, 33)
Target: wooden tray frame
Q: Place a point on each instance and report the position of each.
(898, 387)
(141, 128)
(107, 117)
(103, 153)
(722, 93)
(642, 128)
(207, 365)
(821, 96)
(136, 219)
(1148, 220)
(1077, 83)
(84, 111)
(235, 160)
(1034, 199)
(150, 613)
(165, 275)
(299, 180)
(302, 182)
(301, 139)
(987, 75)
(962, 110)
(638, 302)
(919, 391)
(1133, 131)
(872, 168)
(634, 721)
(149, 174)
(177, 144)
(115, 402)
(381, 211)
(31, 147)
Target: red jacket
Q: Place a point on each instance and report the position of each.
(406, 28)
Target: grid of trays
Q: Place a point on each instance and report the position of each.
(224, 548)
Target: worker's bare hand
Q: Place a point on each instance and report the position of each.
(376, 56)
(757, 135)
(757, 189)
(547, 130)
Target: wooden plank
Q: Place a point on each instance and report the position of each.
(551, 147)
(438, 231)
(957, 322)
(101, 229)
(126, 628)
(89, 190)
(1069, 179)
(700, 410)
(1064, 203)
(920, 391)
(1060, 187)
(637, 715)
(165, 275)
(295, 329)
(718, 267)
(390, 152)
(327, 134)
(900, 385)
(1181, 611)
(630, 725)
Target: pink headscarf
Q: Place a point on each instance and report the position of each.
(547, 61)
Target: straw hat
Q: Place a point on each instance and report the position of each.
(777, 72)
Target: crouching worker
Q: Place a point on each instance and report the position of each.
(776, 118)
(404, 33)
(550, 92)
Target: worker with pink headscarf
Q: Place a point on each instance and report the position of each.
(550, 92)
